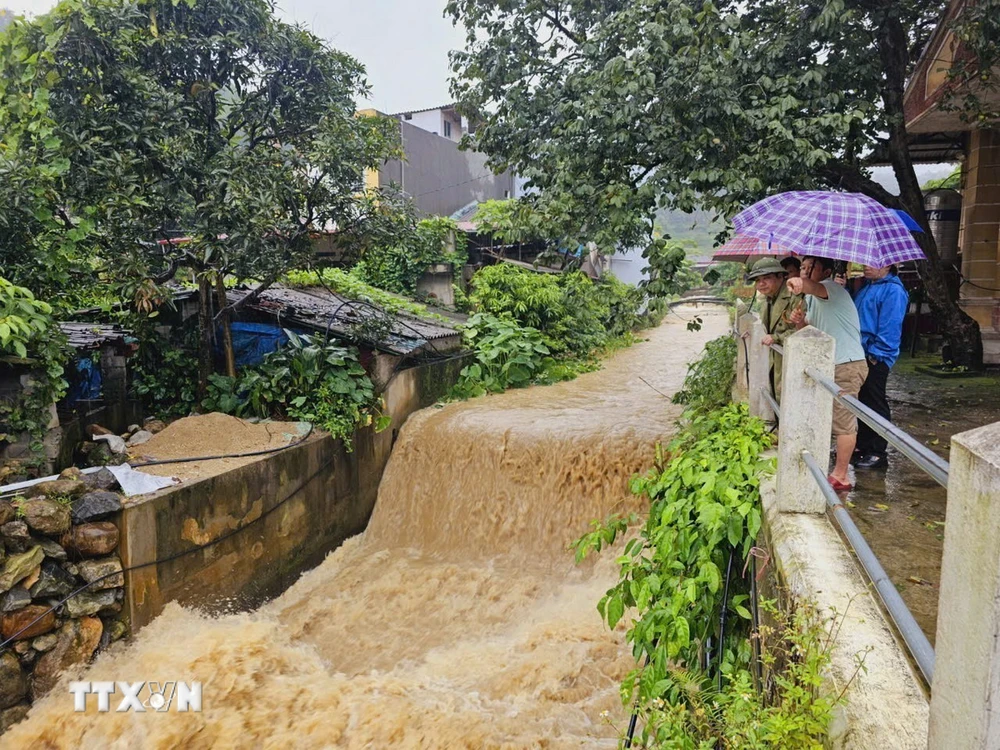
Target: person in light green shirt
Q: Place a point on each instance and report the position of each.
(829, 308)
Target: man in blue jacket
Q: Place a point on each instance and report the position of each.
(882, 303)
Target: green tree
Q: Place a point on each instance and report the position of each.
(952, 182)
(125, 122)
(615, 108)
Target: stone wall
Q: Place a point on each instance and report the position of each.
(260, 525)
(58, 537)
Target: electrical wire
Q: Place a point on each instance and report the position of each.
(263, 452)
(483, 176)
(977, 286)
(725, 611)
(175, 556)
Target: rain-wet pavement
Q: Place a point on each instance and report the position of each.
(901, 510)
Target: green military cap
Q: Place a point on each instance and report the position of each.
(765, 266)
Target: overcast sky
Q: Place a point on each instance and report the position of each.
(403, 44)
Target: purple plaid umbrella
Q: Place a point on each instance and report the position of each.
(842, 226)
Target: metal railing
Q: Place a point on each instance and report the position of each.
(766, 393)
(923, 457)
(928, 461)
(914, 638)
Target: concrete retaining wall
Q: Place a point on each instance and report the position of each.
(886, 706)
(296, 505)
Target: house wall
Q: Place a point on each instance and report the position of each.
(981, 237)
(290, 509)
(433, 121)
(429, 121)
(439, 177)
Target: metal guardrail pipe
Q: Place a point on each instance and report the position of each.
(771, 402)
(913, 636)
(905, 443)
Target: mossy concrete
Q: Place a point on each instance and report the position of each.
(265, 522)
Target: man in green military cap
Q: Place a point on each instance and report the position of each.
(769, 277)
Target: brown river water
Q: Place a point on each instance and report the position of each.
(457, 620)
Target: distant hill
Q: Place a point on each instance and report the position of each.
(696, 227)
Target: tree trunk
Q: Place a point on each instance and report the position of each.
(206, 365)
(227, 333)
(965, 342)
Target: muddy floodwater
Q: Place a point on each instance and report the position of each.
(458, 620)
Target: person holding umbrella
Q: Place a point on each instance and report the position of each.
(830, 309)
(882, 303)
(828, 227)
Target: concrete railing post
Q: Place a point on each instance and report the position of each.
(741, 387)
(760, 371)
(806, 420)
(965, 702)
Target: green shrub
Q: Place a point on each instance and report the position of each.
(574, 314)
(29, 332)
(398, 268)
(534, 300)
(792, 714)
(165, 372)
(704, 496)
(709, 382)
(704, 500)
(306, 381)
(507, 355)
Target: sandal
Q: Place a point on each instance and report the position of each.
(839, 486)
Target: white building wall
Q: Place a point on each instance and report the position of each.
(430, 121)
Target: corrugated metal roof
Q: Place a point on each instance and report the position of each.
(93, 335)
(425, 109)
(322, 311)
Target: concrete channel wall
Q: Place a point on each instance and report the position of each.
(272, 519)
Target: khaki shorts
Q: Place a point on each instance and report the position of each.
(850, 376)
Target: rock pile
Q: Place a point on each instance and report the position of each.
(56, 538)
(105, 448)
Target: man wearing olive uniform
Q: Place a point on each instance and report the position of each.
(769, 277)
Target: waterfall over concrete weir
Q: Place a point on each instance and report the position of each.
(457, 620)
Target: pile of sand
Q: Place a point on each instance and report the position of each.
(213, 435)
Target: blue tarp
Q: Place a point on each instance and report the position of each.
(251, 341)
(86, 382)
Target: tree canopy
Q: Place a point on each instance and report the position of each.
(614, 108)
(129, 122)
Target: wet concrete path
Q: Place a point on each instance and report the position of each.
(901, 510)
